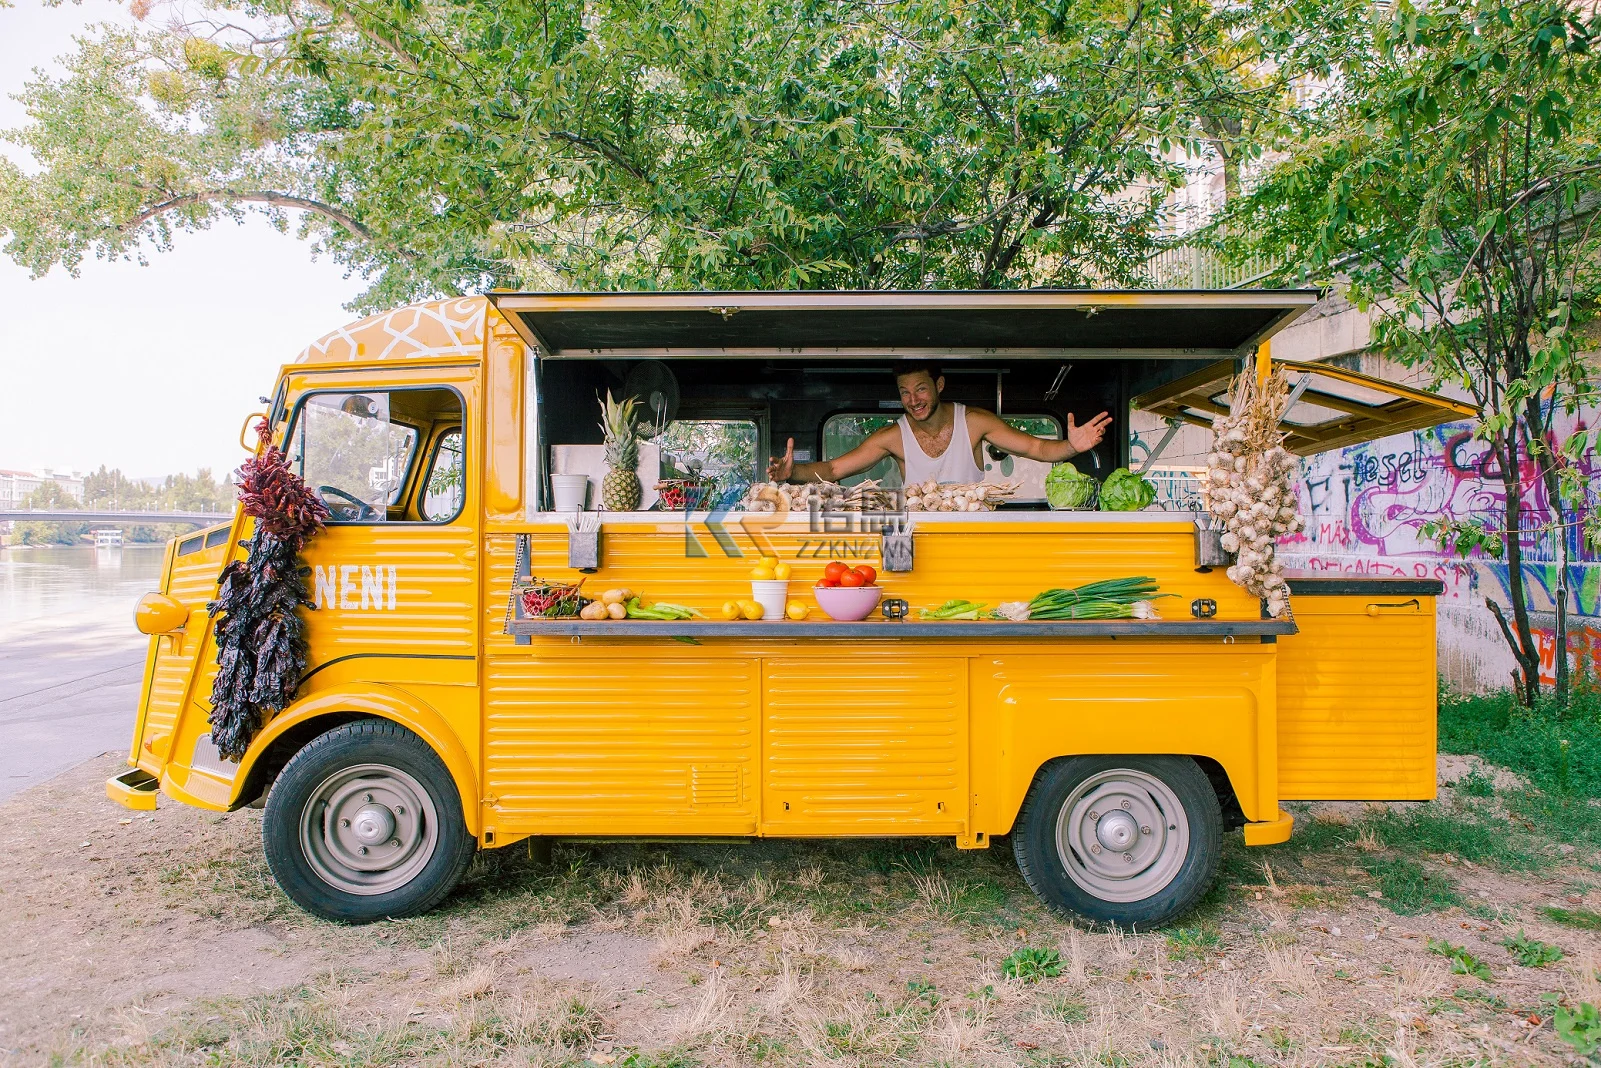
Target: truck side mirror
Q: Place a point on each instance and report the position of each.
(156, 613)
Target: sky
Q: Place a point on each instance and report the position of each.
(151, 369)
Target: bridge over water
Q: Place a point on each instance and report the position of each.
(114, 518)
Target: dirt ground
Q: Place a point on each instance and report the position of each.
(159, 939)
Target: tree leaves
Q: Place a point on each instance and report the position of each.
(679, 143)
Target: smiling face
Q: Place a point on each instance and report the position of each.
(920, 394)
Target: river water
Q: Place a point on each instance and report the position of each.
(43, 585)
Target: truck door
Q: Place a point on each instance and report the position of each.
(394, 575)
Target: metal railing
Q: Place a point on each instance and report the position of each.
(1195, 267)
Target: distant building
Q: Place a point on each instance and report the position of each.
(18, 486)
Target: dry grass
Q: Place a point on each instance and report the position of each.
(165, 943)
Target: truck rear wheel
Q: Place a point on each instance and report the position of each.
(364, 823)
(1125, 841)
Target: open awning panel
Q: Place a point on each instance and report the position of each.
(1331, 406)
(1022, 323)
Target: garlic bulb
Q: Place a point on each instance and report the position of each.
(1248, 486)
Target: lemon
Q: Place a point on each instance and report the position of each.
(769, 561)
(753, 609)
(781, 572)
(796, 610)
(762, 574)
(731, 610)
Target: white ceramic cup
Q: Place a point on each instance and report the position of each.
(569, 492)
(772, 594)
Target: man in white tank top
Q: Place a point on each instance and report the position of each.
(936, 440)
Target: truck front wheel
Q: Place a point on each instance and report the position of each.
(365, 822)
(1125, 841)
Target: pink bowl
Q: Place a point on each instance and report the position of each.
(847, 603)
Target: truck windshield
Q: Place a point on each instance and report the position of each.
(345, 447)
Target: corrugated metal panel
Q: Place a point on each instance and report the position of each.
(865, 747)
(590, 746)
(193, 583)
(434, 603)
(613, 740)
(1120, 696)
(1357, 701)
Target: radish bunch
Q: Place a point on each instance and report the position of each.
(1248, 486)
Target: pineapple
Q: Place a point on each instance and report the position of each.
(620, 490)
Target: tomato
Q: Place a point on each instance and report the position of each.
(869, 576)
(835, 569)
(827, 583)
(852, 578)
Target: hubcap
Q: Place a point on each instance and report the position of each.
(1122, 835)
(369, 829)
(373, 824)
(1116, 830)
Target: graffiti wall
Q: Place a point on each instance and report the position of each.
(1366, 506)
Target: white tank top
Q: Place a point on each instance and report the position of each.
(955, 464)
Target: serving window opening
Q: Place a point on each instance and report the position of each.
(715, 423)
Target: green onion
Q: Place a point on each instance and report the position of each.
(1108, 599)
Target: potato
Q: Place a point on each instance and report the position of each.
(616, 610)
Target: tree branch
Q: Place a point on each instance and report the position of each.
(372, 37)
(277, 200)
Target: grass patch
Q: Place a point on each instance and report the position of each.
(311, 1024)
(1068, 1009)
(1031, 964)
(1531, 952)
(1193, 943)
(1561, 817)
(1462, 962)
(1473, 835)
(1558, 750)
(664, 1060)
(1580, 1028)
(1408, 888)
(1583, 919)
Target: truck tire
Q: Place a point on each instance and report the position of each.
(1123, 841)
(364, 823)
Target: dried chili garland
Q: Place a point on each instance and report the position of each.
(261, 637)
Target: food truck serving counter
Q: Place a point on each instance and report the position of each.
(455, 699)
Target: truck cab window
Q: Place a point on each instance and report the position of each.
(352, 455)
(443, 491)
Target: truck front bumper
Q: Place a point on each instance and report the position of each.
(135, 789)
(1270, 832)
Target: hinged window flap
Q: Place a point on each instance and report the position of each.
(1331, 406)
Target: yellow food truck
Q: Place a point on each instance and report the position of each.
(437, 716)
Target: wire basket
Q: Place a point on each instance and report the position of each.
(681, 494)
(549, 600)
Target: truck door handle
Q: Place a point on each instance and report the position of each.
(1376, 609)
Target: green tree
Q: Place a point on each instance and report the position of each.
(113, 490)
(677, 143)
(1450, 182)
(50, 496)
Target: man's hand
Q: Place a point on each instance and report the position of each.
(1086, 437)
(780, 468)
